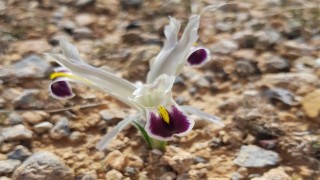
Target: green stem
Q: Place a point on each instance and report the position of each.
(151, 143)
(157, 144)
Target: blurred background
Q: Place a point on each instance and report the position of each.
(262, 80)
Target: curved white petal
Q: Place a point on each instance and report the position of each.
(170, 61)
(201, 114)
(115, 86)
(106, 139)
(70, 51)
(171, 33)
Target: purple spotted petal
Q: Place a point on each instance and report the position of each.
(179, 124)
(60, 89)
(198, 57)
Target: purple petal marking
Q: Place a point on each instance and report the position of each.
(198, 57)
(179, 124)
(61, 90)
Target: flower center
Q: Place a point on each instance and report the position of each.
(164, 114)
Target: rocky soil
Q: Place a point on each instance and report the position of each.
(262, 80)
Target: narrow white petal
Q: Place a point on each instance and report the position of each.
(189, 37)
(70, 51)
(115, 86)
(170, 60)
(104, 142)
(171, 33)
(201, 114)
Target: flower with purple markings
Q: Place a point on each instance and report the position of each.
(158, 117)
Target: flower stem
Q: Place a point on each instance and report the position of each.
(157, 144)
(151, 143)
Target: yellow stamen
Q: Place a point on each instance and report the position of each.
(62, 74)
(164, 114)
(195, 44)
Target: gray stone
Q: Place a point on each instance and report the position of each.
(8, 165)
(15, 133)
(224, 47)
(129, 171)
(61, 129)
(32, 67)
(82, 33)
(15, 118)
(255, 157)
(112, 115)
(246, 68)
(19, 153)
(267, 38)
(43, 165)
(273, 64)
(28, 99)
(283, 95)
(67, 25)
(223, 26)
(199, 160)
(203, 82)
(42, 127)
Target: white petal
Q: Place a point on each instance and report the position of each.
(104, 142)
(155, 94)
(117, 87)
(171, 60)
(171, 32)
(70, 51)
(201, 114)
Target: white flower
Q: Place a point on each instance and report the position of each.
(153, 101)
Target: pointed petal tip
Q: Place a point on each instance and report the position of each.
(203, 115)
(106, 139)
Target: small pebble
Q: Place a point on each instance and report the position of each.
(19, 153)
(9, 165)
(15, 118)
(61, 129)
(42, 127)
(15, 133)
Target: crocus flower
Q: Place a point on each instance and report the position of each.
(163, 118)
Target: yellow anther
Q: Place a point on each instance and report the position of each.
(195, 44)
(62, 74)
(164, 114)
